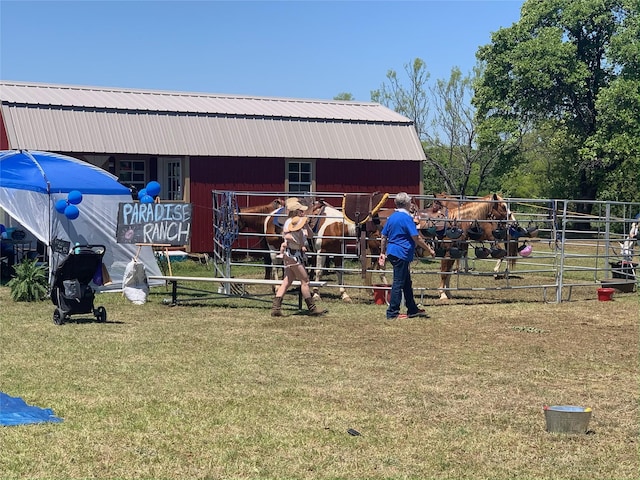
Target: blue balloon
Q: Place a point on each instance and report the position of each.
(74, 197)
(142, 193)
(61, 205)
(71, 212)
(146, 199)
(153, 188)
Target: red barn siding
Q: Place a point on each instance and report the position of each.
(268, 175)
(237, 174)
(4, 140)
(369, 176)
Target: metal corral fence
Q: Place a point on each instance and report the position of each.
(576, 244)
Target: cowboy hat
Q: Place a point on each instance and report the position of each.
(297, 223)
(293, 203)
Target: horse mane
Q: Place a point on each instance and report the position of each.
(472, 209)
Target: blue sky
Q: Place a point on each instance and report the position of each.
(299, 49)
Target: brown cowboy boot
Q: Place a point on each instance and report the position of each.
(313, 309)
(276, 309)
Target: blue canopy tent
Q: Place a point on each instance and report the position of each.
(31, 182)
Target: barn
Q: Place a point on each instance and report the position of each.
(194, 143)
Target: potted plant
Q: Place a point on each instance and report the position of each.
(30, 282)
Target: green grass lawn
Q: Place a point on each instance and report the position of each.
(220, 389)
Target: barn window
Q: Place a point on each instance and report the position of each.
(300, 176)
(132, 173)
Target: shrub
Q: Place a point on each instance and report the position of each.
(30, 283)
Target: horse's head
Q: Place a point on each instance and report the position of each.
(500, 209)
(317, 206)
(252, 218)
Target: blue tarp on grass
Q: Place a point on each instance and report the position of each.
(15, 411)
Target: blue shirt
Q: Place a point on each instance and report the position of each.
(400, 230)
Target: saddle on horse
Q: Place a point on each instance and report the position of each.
(360, 208)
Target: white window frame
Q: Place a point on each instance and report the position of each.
(298, 179)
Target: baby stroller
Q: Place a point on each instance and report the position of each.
(70, 290)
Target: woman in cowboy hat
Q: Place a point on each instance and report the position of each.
(295, 232)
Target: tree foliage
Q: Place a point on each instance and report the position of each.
(412, 101)
(569, 70)
(344, 96)
(445, 122)
(463, 163)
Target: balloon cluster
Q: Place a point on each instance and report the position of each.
(147, 194)
(68, 207)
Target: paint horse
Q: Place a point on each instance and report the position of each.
(334, 229)
(484, 217)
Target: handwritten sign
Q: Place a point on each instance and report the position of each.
(60, 246)
(154, 223)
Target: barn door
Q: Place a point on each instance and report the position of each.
(170, 177)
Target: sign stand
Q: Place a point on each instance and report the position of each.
(164, 247)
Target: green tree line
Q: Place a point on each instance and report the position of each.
(551, 110)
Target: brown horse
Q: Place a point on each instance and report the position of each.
(260, 219)
(446, 202)
(483, 217)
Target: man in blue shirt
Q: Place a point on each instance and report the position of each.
(399, 239)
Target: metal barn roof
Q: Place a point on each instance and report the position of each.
(70, 118)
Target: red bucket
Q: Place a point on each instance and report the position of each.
(605, 294)
(381, 294)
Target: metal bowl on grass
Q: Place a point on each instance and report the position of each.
(567, 418)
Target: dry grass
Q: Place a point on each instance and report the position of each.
(212, 391)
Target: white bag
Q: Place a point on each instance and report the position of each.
(135, 285)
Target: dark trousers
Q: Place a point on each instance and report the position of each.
(401, 285)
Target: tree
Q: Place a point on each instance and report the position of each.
(411, 101)
(557, 70)
(445, 121)
(344, 96)
(452, 145)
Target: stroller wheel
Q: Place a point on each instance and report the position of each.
(58, 317)
(101, 314)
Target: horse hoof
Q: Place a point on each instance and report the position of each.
(316, 296)
(346, 299)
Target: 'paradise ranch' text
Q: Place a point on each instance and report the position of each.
(154, 223)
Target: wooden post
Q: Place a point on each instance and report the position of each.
(165, 250)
